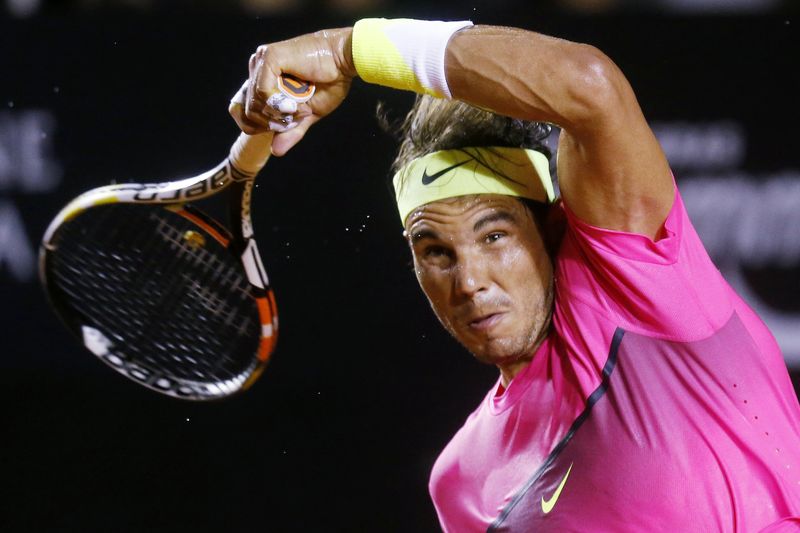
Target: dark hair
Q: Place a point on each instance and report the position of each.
(435, 124)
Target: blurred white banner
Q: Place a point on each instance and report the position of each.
(27, 166)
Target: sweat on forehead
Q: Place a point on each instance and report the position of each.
(447, 174)
(475, 210)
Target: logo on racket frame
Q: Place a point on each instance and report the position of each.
(149, 192)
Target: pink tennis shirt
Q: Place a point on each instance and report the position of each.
(659, 402)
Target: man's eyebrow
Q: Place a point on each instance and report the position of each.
(424, 233)
(494, 217)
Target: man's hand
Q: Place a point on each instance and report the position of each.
(323, 58)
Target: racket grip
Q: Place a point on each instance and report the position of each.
(250, 153)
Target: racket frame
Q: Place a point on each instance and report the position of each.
(249, 152)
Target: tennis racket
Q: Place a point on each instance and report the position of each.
(160, 291)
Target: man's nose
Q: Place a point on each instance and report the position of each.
(470, 275)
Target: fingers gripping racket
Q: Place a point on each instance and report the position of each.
(160, 291)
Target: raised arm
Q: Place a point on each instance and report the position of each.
(612, 171)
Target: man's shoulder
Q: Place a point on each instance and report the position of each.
(657, 287)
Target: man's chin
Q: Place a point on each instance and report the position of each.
(496, 352)
(500, 347)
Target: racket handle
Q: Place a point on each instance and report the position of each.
(250, 153)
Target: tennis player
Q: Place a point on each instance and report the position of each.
(636, 390)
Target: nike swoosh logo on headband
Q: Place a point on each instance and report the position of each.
(427, 179)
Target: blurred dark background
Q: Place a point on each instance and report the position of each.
(365, 388)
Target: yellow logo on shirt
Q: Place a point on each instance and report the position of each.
(547, 505)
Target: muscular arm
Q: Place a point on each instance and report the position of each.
(612, 171)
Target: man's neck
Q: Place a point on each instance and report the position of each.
(509, 371)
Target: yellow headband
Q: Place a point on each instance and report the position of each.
(474, 170)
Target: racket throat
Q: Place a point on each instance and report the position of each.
(242, 193)
(253, 267)
(239, 215)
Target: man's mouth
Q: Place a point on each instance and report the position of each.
(486, 322)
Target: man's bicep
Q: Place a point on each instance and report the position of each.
(614, 174)
(611, 169)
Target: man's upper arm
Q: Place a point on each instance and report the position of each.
(612, 171)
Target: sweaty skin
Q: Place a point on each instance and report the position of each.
(324, 58)
(638, 388)
(481, 262)
(612, 172)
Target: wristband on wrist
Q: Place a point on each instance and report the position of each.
(404, 53)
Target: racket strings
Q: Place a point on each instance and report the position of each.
(214, 268)
(168, 305)
(145, 313)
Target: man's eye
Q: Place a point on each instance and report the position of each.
(494, 236)
(435, 251)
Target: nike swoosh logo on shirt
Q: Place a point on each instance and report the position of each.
(427, 179)
(547, 505)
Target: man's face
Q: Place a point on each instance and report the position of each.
(482, 263)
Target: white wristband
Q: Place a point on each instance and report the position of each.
(404, 53)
